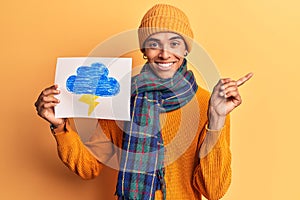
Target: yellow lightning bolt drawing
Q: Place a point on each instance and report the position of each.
(90, 100)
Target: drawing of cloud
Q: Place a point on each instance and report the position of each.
(93, 80)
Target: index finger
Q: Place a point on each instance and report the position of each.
(51, 90)
(245, 78)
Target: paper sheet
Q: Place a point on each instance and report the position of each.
(93, 87)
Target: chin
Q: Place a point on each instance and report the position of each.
(165, 75)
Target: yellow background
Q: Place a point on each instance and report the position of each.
(261, 36)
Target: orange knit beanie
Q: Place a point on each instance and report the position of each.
(165, 18)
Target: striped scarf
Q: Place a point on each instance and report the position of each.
(142, 159)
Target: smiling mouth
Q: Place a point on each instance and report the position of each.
(164, 65)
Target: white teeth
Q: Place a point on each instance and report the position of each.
(164, 64)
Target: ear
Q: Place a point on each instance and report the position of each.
(186, 53)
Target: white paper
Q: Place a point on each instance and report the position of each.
(101, 90)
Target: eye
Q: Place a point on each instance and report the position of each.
(174, 44)
(152, 45)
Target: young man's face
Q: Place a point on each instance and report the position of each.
(165, 52)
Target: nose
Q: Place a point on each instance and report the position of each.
(164, 54)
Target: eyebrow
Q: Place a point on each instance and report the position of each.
(153, 39)
(176, 38)
(157, 40)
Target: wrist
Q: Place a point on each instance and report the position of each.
(213, 130)
(215, 121)
(216, 124)
(58, 128)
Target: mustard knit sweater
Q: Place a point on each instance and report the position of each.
(187, 176)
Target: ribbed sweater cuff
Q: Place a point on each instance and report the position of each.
(222, 141)
(66, 138)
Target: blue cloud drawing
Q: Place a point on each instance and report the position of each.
(93, 80)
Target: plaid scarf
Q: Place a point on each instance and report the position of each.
(142, 159)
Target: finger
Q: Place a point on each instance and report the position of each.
(52, 90)
(227, 90)
(49, 105)
(225, 80)
(245, 78)
(45, 99)
(220, 83)
(228, 84)
(234, 97)
(49, 99)
(46, 108)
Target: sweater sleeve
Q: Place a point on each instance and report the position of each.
(212, 176)
(76, 156)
